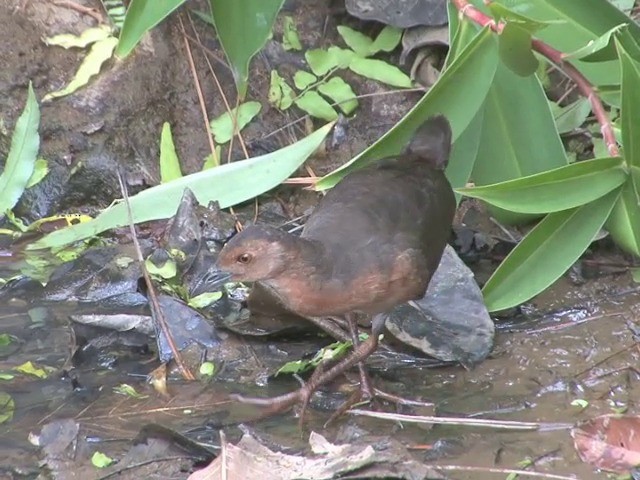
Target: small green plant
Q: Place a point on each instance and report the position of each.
(128, 391)
(100, 460)
(316, 89)
(334, 351)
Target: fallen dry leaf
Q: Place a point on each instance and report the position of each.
(609, 442)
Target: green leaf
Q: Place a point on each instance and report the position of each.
(223, 126)
(204, 299)
(28, 368)
(212, 160)
(20, 163)
(228, 184)
(100, 52)
(516, 142)
(600, 49)
(547, 251)
(630, 112)
(580, 402)
(40, 170)
(583, 21)
(167, 270)
(554, 190)
(387, 40)
(331, 352)
(128, 391)
(458, 94)
(280, 95)
(169, 161)
(340, 92)
(515, 50)
(357, 41)
(501, 12)
(316, 106)
(322, 61)
(7, 407)
(302, 79)
(5, 339)
(571, 116)
(100, 460)
(142, 16)
(86, 38)
(243, 27)
(624, 222)
(461, 33)
(463, 154)
(290, 38)
(380, 71)
(207, 369)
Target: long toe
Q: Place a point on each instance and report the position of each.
(274, 404)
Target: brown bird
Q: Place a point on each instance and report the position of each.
(373, 242)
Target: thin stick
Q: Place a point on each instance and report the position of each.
(153, 298)
(234, 118)
(469, 422)
(196, 82)
(501, 471)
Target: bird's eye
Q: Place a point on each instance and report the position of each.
(244, 258)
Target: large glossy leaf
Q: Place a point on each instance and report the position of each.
(142, 16)
(571, 116)
(458, 94)
(624, 221)
(463, 154)
(21, 160)
(554, 190)
(169, 161)
(228, 184)
(630, 113)
(547, 251)
(584, 20)
(515, 49)
(519, 136)
(465, 148)
(243, 28)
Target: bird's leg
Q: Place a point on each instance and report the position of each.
(365, 382)
(303, 394)
(329, 326)
(366, 389)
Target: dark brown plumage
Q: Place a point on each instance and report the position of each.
(372, 243)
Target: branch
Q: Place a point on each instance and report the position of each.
(556, 57)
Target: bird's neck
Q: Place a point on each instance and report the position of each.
(303, 285)
(308, 259)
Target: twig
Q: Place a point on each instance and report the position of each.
(470, 422)
(558, 59)
(606, 359)
(196, 82)
(562, 326)
(501, 471)
(234, 118)
(92, 12)
(153, 299)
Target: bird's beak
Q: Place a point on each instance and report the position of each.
(212, 281)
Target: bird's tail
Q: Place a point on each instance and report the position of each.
(432, 142)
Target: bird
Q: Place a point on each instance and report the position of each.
(373, 242)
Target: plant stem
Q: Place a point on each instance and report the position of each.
(556, 57)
